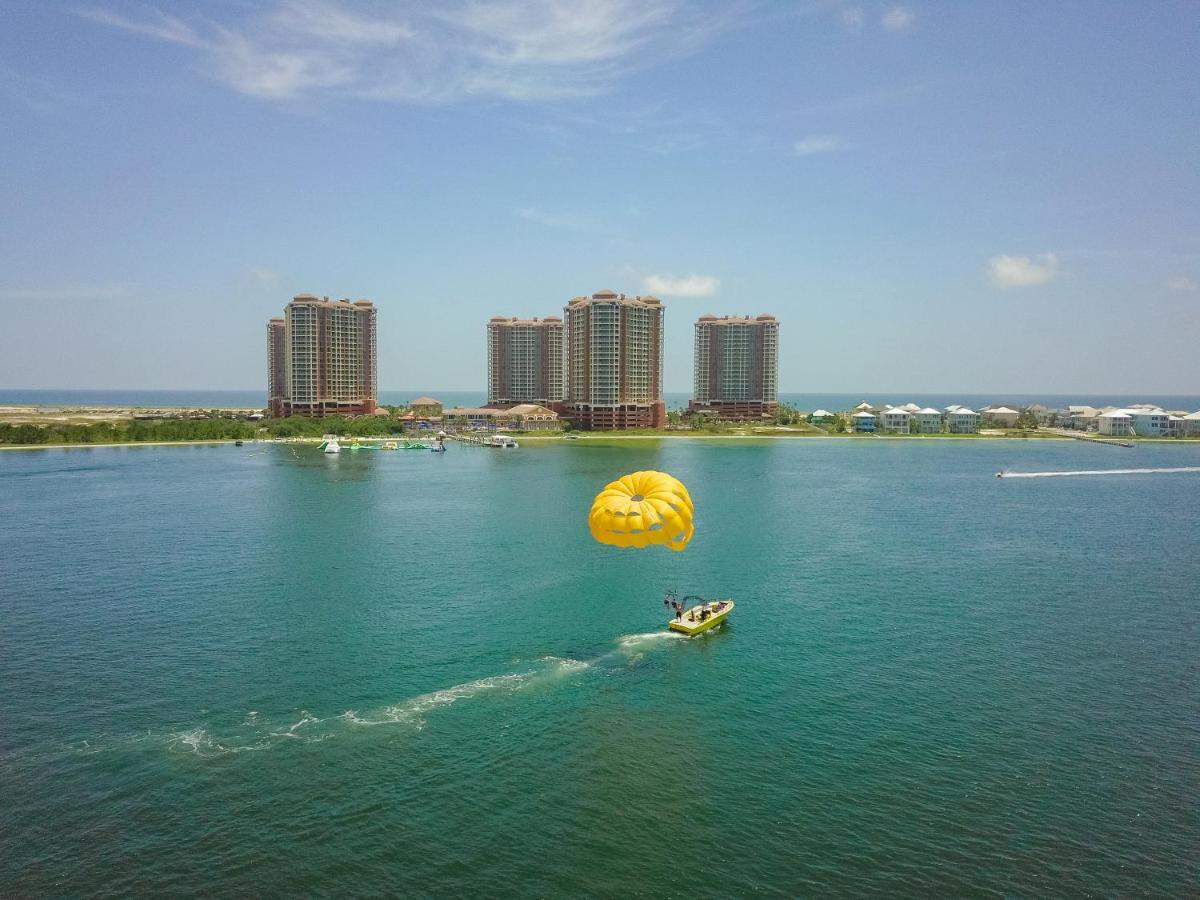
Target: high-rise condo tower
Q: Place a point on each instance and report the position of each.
(614, 361)
(737, 366)
(276, 365)
(329, 357)
(525, 361)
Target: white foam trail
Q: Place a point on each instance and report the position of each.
(412, 712)
(1098, 472)
(200, 742)
(565, 664)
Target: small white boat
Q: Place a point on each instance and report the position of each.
(503, 440)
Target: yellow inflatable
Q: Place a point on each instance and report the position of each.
(642, 509)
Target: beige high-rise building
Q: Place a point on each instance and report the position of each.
(329, 357)
(276, 365)
(614, 361)
(525, 361)
(736, 366)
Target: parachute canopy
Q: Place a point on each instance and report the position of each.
(642, 509)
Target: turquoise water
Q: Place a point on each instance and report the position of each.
(257, 670)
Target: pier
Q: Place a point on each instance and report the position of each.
(1092, 438)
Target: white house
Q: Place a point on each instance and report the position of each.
(1117, 421)
(962, 421)
(911, 407)
(1191, 423)
(1150, 422)
(895, 420)
(822, 415)
(926, 421)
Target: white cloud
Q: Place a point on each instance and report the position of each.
(853, 18)
(264, 276)
(1022, 271)
(897, 18)
(432, 53)
(1183, 283)
(820, 143)
(688, 286)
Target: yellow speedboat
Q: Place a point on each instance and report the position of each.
(708, 614)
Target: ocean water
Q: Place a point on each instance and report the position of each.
(675, 400)
(260, 671)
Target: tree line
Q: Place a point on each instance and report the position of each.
(135, 431)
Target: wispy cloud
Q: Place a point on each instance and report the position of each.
(264, 276)
(1022, 271)
(820, 143)
(563, 220)
(432, 53)
(51, 294)
(1183, 283)
(853, 18)
(898, 18)
(687, 286)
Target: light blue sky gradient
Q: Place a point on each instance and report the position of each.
(930, 196)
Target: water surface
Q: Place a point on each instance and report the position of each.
(258, 670)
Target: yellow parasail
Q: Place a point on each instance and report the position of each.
(642, 509)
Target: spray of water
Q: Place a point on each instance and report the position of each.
(1099, 472)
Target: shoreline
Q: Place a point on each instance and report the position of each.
(599, 436)
(120, 444)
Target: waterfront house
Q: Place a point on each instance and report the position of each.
(926, 421)
(1115, 422)
(962, 421)
(1001, 416)
(911, 407)
(1081, 418)
(1042, 413)
(895, 420)
(864, 422)
(1190, 424)
(822, 415)
(1150, 422)
(953, 407)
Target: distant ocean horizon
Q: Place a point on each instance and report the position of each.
(806, 401)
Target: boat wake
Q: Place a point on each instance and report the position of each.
(1098, 472)
(258, 732)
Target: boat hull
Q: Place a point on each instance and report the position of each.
(691, 624)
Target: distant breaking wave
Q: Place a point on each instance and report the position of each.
(1098, 472)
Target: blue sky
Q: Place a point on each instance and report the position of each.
(930, 196)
